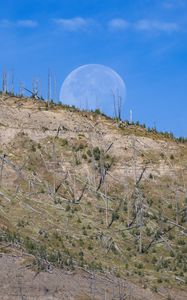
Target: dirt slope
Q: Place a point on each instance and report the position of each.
(80, 192)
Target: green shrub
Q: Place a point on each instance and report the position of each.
(181, 242)
(63, 142)
(96, 153)
(154, 289)
(81, 242)
(80, 147)
(89, 153)
(97, 111)
(84, 156)
(84, 231)
(33, 148)
(90, 247)
(68, 207)
(81, 254)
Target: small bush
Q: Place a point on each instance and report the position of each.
(97, 111)
(181, 242)
(154, 289)
(81, 242)
(89, 153)
(63, 142)
(68, 207)
(90, 247)
(84, 156)
(96, 153)
(80, 147)
(81, 254)
(33, 148)
(84, 231)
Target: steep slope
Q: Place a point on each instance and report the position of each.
(78, 190)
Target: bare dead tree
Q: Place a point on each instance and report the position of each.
(40, 89)
(4, 82)
(55, 88)
(139, 219)
(10, 163)
(106, 200)
(21, 88)
(12, 82)
(1, 170)
(117, 102)
(49, 87)
(138, 198)
(35, 87)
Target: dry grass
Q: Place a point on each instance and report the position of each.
(51, 163)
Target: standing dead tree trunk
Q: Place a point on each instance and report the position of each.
(117, 101)
(140, 218)
(4, 83)
(12, 83)
(49, 88)
(138, 199)
(1, 170)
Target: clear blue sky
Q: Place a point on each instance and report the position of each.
(145, 41)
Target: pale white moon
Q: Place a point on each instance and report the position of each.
(93, 87)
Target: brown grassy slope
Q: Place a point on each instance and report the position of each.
(77, 190)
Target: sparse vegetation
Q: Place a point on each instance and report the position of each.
(109, 208)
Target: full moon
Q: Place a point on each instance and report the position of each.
(92, 87)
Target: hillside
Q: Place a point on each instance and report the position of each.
(89, 209)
